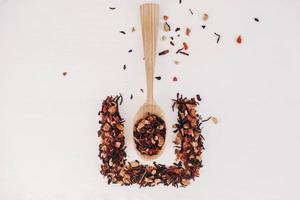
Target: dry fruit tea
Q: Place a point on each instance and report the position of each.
(149, 135)
(188, 149)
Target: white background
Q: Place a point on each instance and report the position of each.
(48, 122)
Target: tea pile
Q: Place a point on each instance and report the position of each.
(149, 135)
(188, 149)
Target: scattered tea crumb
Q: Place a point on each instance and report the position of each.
(133, 29)
(178, 35)
(172, 43)
(163, 38)
(203, 26)
(130, 50)
(142, 90)
(214, 120)
(131, 96)
(172, 38)
(65, 73)
(184, 53)
(176, 62)
(218, 39)
(177, 29)
(256, 19)
(191, 11)
(179, 50)
(123, 32)
(185, 46)
(205, 17)
(198, 97)
(124, 67)
(167, 27)
(166, 17)
(188, 31)
(158, 77)
(112, 8)
(163, 52)
(180, 1)
(239, 39)
(175, 78)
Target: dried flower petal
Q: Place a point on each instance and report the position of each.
(188, 31)
(239, 39)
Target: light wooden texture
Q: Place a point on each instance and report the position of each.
(149, 21)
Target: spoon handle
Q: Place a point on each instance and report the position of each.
(149, 22)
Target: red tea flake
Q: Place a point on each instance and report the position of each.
(132, 29)
(166, 17)
(65, 73)
(174, 79)
(205, 17)
(163, 52)
(239, 39)
(188, 31)
(185, 46)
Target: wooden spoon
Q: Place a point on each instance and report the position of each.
(149, 21)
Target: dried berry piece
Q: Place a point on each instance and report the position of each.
(205, 17)
(239, 39)
(64, 73)
(187, 31)
(165, 17)
(163, 52)
(174, 78)
(167, 27)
